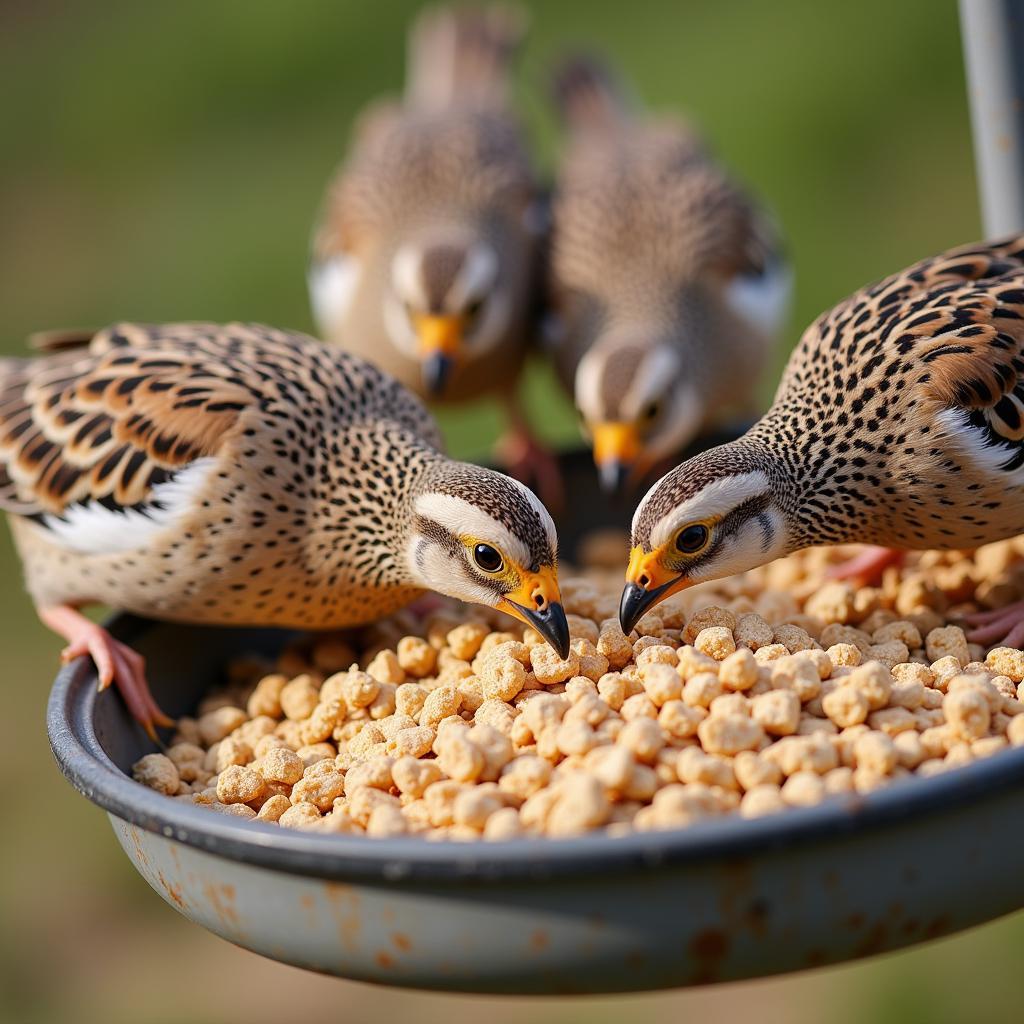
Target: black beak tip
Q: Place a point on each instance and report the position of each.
(635, 601)
(559, 630)
(613, 475)
(436, 370)
(552, 624)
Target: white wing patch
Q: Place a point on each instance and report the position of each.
(95, 530)
(332, 286)
(762, 301)
(956, 427)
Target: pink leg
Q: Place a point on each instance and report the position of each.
(1003, 626)
(115, 663)
(868, 566)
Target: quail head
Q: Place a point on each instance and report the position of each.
(425, 258)
(667, 284)
(899, 421)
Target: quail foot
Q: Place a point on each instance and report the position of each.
(243, 475)
(868, 565)
(426, 258)
(899, 421)
(667, 284)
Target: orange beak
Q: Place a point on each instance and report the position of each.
(616, 452)
(440, 347)
(538, 603)
(648, 582)
(438, 335)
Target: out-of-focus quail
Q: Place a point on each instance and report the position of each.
(667, 283)
(427, 256)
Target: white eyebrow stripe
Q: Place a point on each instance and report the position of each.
(651, 381)
(407, 276)
(475, 278)
(588, 385)
(713, 501)
(462, 518)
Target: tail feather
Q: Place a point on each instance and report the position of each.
(60, 339)
(589, 96)
(463, 55)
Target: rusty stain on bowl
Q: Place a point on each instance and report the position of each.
(707, 950)
(717, 902)
(344, 903)
(221, 899)
(140, 852)
(173, 891)
(939, 926)
(874, 941)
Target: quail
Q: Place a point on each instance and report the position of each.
(667, 285)
(244, 475)
(426, 257)
(899, 421)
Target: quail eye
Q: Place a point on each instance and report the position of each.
(474, 309)
(651, 411)
(692, 539)
(487, 558)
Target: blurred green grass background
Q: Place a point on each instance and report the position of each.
(166, 162)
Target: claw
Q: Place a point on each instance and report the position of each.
(115, 663)
(1001, 626)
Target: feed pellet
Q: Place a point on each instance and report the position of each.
(748, 696)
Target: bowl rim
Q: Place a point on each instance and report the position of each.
(346, 858)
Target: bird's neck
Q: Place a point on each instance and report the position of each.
(367, 498)
(416, 463)
(821, 484)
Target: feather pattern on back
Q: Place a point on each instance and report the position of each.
(110, 422)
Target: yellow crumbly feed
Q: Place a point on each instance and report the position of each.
(770, 690)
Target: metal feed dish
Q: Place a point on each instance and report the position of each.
(722, 900)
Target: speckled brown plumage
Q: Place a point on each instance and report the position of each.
(433, 178)
(899, 419)
(651, 239)
(237, 474)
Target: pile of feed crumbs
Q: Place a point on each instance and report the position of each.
(778, 688)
